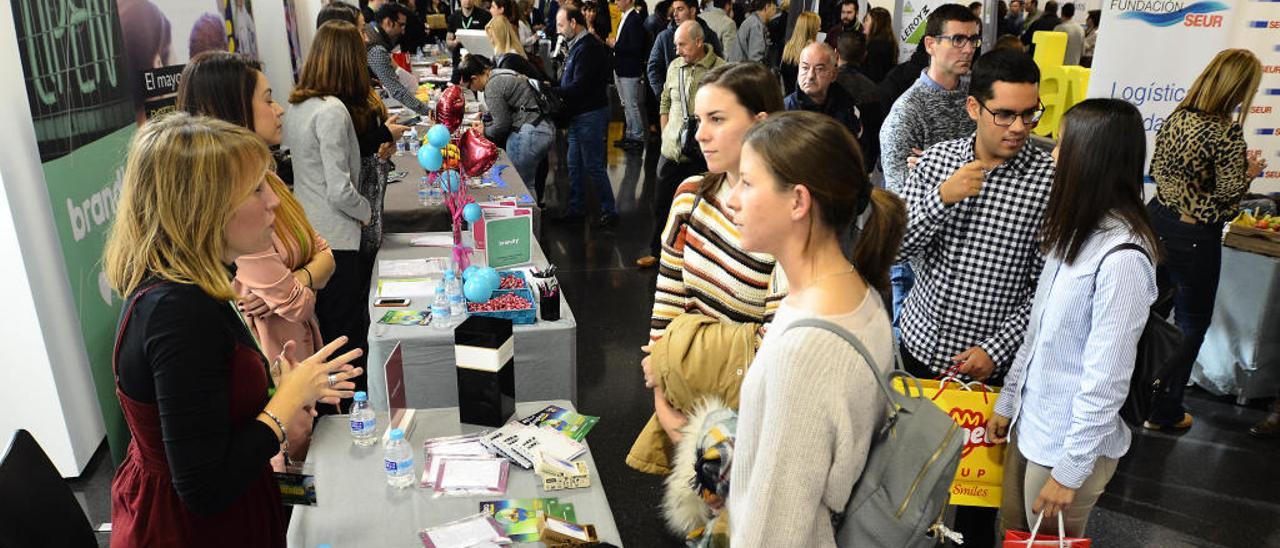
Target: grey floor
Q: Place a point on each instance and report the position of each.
(1211, 487)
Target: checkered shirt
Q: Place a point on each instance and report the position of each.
(976, 261)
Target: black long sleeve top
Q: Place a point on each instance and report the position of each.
(176, 353)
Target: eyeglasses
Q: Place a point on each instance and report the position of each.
(961, 40)
(1005, 118)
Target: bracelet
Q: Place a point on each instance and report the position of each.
(310, 280)
(284, 434)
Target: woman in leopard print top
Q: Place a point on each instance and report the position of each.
(1202, 169)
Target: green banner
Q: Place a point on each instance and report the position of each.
(72, 56)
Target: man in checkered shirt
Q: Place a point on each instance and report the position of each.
(975, 207)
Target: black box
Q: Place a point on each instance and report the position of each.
(484, 351)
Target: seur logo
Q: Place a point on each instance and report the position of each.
(1167, 13)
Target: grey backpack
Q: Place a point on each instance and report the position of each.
(900, 499)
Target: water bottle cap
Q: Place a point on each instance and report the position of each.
(440, 289)
(361, 396)
(397, 434)
(448, 274)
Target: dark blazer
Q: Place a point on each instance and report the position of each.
(629, 47)
(881, 58)
(586, 77)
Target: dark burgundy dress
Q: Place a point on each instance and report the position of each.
(191, 382)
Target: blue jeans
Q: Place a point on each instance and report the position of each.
(529, 146)
(631, 94)
(587, 133)
(1192, 266)
(901, 278)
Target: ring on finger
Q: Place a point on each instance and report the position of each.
(333, 379)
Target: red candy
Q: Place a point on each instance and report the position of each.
(506, 301)
(511, 282)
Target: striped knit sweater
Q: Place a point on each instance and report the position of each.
(704, 270)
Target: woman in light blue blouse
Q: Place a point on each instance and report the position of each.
(1061, 399)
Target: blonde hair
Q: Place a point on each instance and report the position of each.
(292, 225)
(504, 37)
(1230, 80)
(805, 33)
(183, 179)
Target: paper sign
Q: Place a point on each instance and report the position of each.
(418, 287)
(401, 415)
(508, 241)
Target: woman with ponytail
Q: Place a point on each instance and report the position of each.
(809, 404)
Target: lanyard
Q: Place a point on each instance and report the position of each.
(271, 383)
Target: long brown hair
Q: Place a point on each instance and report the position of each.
(220, 85)
(1100, 166)
(756, 89)
(882, 28)
(337, 66)
(1230, 80)
(811, 149)
(183, 179)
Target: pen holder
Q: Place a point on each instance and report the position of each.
(550, 307)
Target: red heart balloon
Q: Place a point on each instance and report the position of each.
(450, 107)
(478, 154)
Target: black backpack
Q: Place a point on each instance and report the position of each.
(1160, 340)
(549, 104)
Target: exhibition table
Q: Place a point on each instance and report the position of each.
(357, 507)
(1241, 351)
(403, 212)
(546, 359)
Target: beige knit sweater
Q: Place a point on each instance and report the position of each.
(809, 405)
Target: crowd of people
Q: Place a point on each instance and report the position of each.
(244, 245)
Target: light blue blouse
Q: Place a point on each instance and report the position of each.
(1072, 372)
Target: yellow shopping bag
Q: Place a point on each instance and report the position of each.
(981, 472)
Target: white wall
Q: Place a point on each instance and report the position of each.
(45, 367)
(273, 47)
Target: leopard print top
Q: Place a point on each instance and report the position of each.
(1199, 165)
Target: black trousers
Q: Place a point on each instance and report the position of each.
(670, 175)
(342, 308)
(977, 524)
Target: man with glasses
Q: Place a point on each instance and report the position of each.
(974, 210)
(932, 110)
(384, 33)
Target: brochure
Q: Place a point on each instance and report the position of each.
(519, 517)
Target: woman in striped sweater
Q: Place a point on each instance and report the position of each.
(703, 268)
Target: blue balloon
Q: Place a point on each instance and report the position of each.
(438, 136)
(476, 290)
(472, 213)
(491, 278)
(469, 272)
(430, 158)
(449, 180)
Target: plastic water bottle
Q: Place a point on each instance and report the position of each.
(414, 143)
(398, 460)
(440, 310)
(364, 426)
(424, 191)
(457, 302)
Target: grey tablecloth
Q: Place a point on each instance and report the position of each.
(404, 213)
(358, 508)
(546, 356)
(1241, 352)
